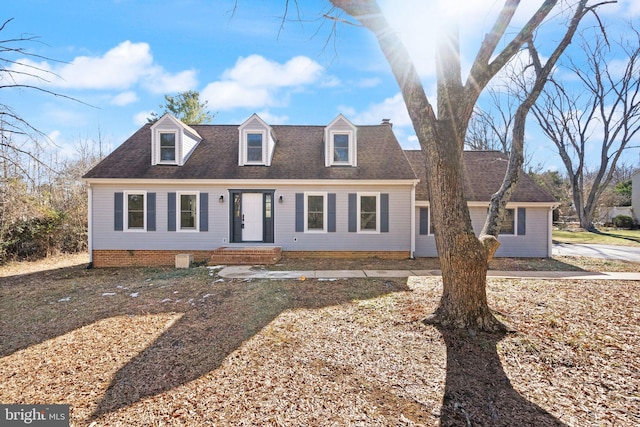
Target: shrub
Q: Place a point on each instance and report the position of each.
(623, 221)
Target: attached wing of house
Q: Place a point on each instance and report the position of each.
(527, 226)
(308, 190)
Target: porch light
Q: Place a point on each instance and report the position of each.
(221, 199)
(280, 199)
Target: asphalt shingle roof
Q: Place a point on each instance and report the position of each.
(299, 154)
(484, 172)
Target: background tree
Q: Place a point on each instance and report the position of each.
(604, 111)
(21, 143)
(186, 107)
(463, 256)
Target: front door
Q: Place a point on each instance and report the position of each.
(252, 217)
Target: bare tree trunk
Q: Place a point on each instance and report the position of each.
(463, 256)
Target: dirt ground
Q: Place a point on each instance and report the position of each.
(154, 346)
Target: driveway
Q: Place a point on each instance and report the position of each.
(623, 253)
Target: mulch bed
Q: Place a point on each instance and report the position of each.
(183, 347)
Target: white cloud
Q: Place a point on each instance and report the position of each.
(256, 82)
(369, 82)
(161, 82)
(273, 119)
(124, 98)
(257, 71)
(391, 108)
(119, 68)
(54, 136)
(227, 95)
(331, 81)
(141, 118)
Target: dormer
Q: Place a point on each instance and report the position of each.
(256, 142)
(172, 142)
(340, 143)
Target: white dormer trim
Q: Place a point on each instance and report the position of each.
(185, 140)
(335, 144)
(253, 129)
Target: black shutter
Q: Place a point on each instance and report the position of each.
(424, 220)
(118, 201)
(171, 212)
(204, 211)
(299, 212)
(384, 213)
(522, 221)
(151, 211)
(353, 212)
(331, 217)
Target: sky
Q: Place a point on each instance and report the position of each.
(120, 57)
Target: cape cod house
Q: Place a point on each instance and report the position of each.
(304, 190)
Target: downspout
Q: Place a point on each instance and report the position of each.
(413, 220)
(90, 224)
(549, 233)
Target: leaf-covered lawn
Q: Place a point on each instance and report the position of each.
(182, 347)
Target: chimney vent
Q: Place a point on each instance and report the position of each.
(387, 122)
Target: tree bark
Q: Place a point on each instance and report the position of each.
(463, 256)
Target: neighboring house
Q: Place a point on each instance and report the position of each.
(310, 190)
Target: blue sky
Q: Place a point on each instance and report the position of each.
(122, 56)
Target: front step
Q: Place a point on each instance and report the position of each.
(243, 255)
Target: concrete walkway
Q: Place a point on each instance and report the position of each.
(249, 272)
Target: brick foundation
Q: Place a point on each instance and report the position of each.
(226, 256)
(143, 258)
(348, 254)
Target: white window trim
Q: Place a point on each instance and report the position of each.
(245, 146)
(359, 213)
(349, 161)
(159, 144)
(325, 215)
(179, 211)
(125, 212)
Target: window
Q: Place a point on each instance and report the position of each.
(254, 147)
(508, 222)
(135, 210)
(315, 212)
(167, 147)
(368, 212)
(188, 211)
(340, 148)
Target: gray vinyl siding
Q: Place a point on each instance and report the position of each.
(533, 244)
(398, 238)
(105, 237)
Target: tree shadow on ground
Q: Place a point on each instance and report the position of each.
(477, 390)
(200, 341)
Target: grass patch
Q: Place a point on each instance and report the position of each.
(605, 236)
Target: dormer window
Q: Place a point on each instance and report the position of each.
(340, 143)
(172, 142)
(254, 147)
(256, 144)
(167, 147)
(340, 148)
